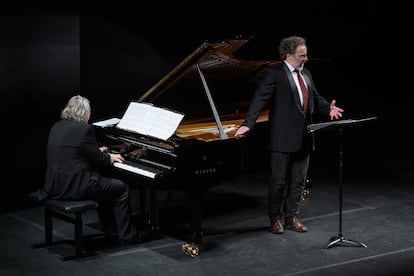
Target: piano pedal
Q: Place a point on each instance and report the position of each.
(156, 233)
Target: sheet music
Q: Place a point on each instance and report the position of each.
(107, 123)
(150, 120)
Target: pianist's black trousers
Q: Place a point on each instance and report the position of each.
(114, 208)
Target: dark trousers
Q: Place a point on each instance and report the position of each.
(114, 206)
(287, 182)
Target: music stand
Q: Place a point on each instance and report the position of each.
(339, 239)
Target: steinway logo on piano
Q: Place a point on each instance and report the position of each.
(205, 171)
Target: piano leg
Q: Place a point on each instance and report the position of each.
(156, 232)
(196, 207)
(196, 199)
(143, 216)
(148, 212)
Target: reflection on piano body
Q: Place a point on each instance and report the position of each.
(212, 87)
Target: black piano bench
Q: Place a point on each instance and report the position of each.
(69, 211)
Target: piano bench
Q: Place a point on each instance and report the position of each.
(68, 211)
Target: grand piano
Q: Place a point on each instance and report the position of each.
(212, 87)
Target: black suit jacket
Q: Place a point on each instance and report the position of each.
(72, 154)
(287, 126)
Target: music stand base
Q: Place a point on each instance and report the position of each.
(340, 240)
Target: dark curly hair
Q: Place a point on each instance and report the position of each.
(289, 45)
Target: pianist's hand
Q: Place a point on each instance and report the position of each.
(135, 154)
(115, 157)
(242, 131)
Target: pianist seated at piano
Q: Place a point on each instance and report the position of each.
(73, 159)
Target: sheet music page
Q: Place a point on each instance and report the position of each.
(107, 123)
(150, 120)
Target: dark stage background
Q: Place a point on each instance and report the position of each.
(112, 57)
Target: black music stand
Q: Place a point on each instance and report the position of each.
(339, 239)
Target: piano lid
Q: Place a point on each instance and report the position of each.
(232, 82)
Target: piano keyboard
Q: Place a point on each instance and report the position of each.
(138, 169)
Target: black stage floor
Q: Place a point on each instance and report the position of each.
(377, 210)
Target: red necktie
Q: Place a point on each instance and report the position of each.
(304, 92)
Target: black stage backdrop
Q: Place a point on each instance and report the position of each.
(114, 56)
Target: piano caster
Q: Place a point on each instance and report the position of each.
(192, 248)
(305, 194)
(306, 190)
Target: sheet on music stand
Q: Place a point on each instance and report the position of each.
(150, 120)
(107, 123)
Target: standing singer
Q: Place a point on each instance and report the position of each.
(292, 107)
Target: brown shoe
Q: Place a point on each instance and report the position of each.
(295, 225)
(276, 227)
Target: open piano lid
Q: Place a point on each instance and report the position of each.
(231, 80)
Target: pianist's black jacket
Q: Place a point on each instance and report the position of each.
(72, 155)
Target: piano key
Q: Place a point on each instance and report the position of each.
(138, 169)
